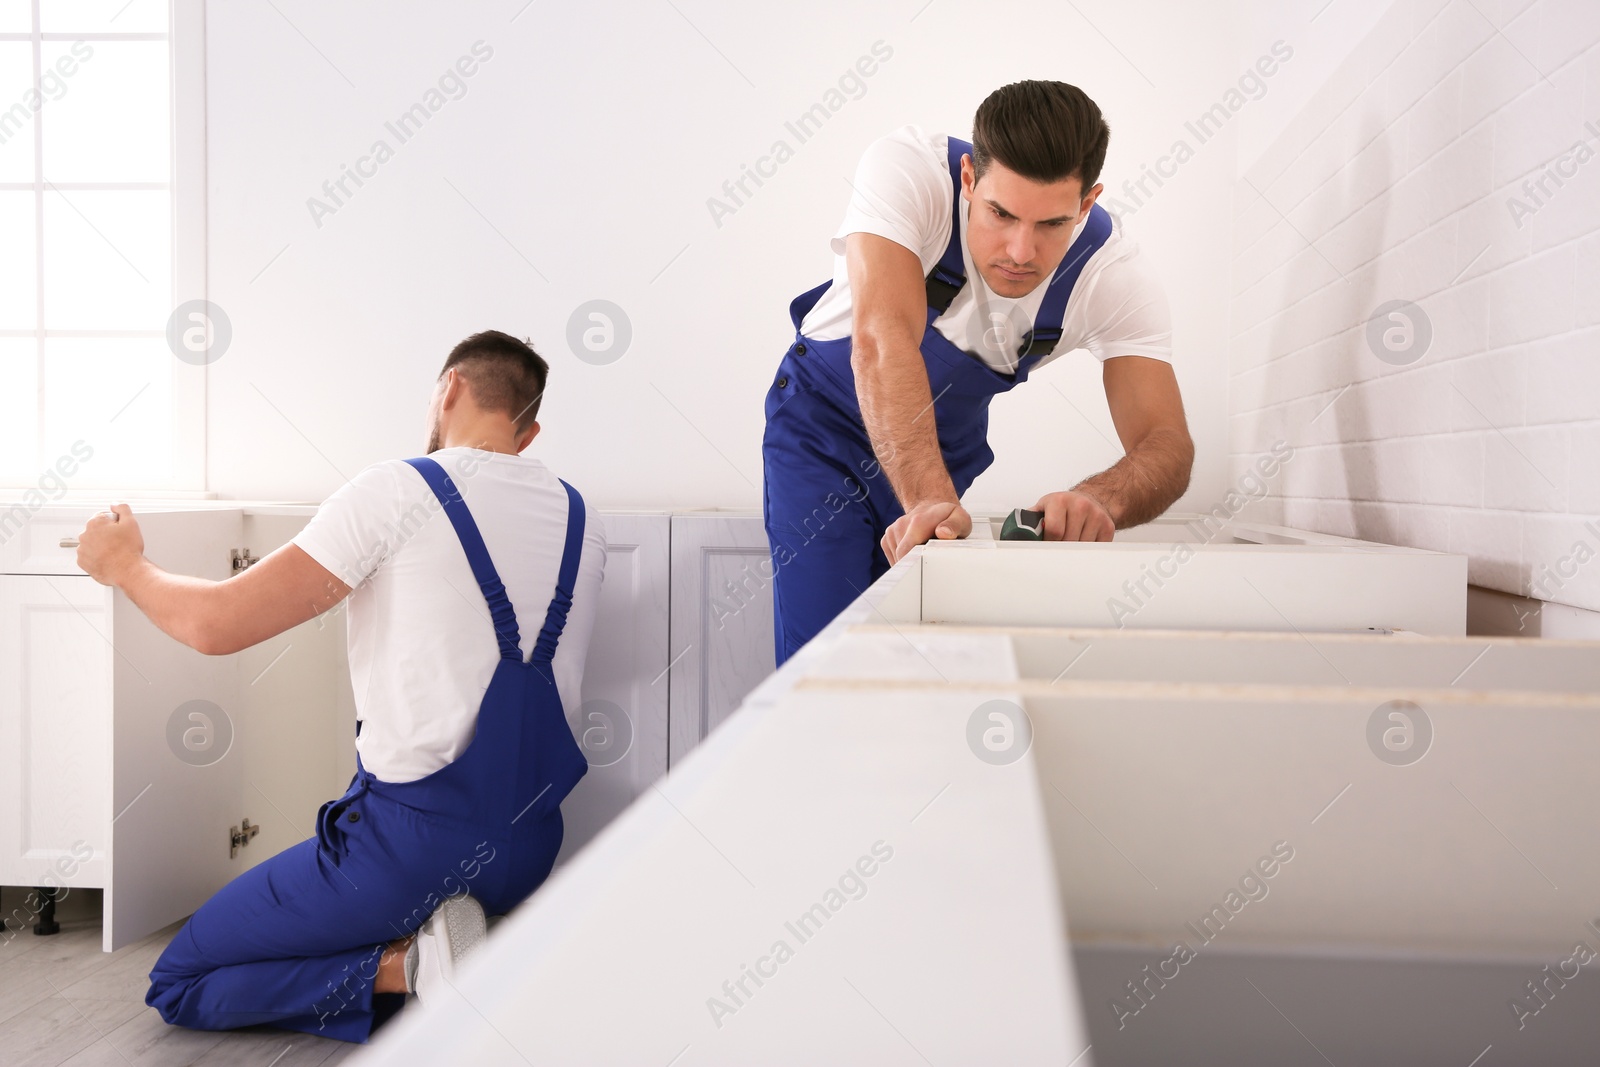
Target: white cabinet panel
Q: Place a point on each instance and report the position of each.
(32, 545)
(784, 847)
(55, 731)
(295, 710)
(126, 757)
(721, 620)
(1213, 586)
(177, 782)
(622, 723)
(1403, 768)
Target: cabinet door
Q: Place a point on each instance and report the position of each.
(721, 620)
(622, 721)
(55, 730)
(179, 775)
(296, 712)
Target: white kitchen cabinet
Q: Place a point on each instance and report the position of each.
(90, 787)
(906, 882)
(1156, 769)
(1425, 781)
(1184, 572)
(621, 724)
(1177, 572)
(721, 619)
(683, 637)
(129, 758)
(56, 737)
(95, 706)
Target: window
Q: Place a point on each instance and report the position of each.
(99, 136)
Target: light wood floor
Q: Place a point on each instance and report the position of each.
(63, 1001)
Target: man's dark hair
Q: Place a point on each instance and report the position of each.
(1046, 131)
(505, 374)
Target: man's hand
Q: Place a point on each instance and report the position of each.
(110, 547)
(943, 519)
(1074, 516)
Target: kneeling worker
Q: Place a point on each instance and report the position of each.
(463, 750)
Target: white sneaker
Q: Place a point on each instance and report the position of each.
(451, 933)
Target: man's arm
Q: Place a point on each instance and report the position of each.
(215, 618)
(1154, 471)
(890, 311)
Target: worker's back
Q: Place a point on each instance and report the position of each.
(422, 646)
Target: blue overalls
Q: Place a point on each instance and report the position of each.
(295, 941)
(826, 501)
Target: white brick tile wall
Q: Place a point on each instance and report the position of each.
(1462, 31)
(1399, 173)
(1491, 77)
(1489, 390)
(1566, 551)
(1427, 262)
(1538, 125)
(1522, 30)
(1419, 68)
(1574, 207)
(1460, 316)
(1423, 527)
(1563, 379)
(1498, 14)
(1532, 298)
(1583, 445)
(1451, 468)
(1587, 280)
(1461, 172)
(1488, 238)
(1525, 469)
(1590, 62)
(1492, 543)
(1567, 28)
(1435, 121)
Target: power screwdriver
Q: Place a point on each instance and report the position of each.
(1023, 525)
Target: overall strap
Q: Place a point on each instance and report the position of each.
(555, 619)
(1047, 326)
(950, 273)
(500, 610)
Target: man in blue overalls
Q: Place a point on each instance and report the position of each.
(960, 269)
(455, 805)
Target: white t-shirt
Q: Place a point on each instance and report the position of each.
(903, 192)
(422, 646)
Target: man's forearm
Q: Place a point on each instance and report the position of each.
(179, 605)
(897, 411)
(1144, 483)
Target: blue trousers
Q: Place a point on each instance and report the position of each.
(295, 941)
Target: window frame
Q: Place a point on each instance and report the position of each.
(186, 190)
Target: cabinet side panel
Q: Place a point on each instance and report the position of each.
(55, 709)
(622, 721)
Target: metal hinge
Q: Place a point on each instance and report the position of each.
(242, 559)
(239, 836)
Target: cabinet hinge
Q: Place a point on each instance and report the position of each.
(239, 836)
(242, 559)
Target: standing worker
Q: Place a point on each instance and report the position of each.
(468, 628)
(960, 269)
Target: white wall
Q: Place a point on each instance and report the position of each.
(1393, 184)
(578, 166)
(1322, 34)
